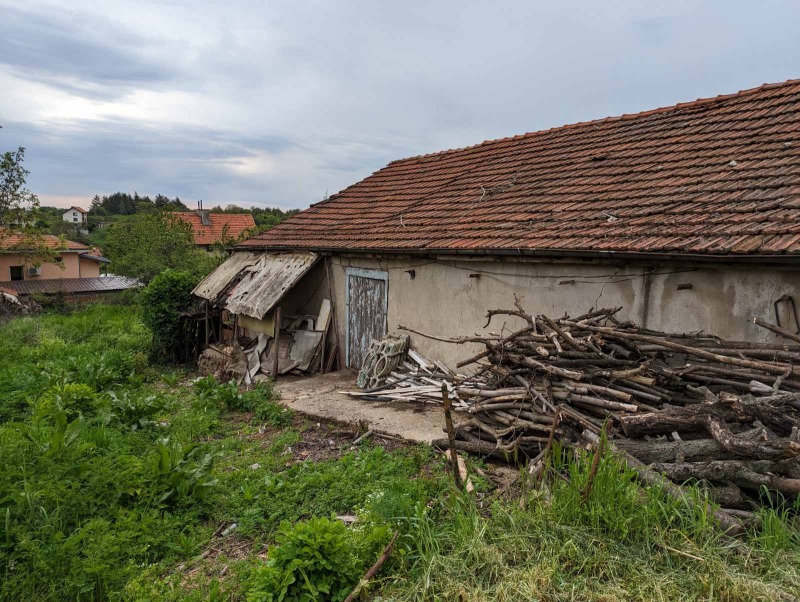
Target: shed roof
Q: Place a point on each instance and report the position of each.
(222, 225)
(266, 281)
(216, 282)
(713, 177)
(103, 284)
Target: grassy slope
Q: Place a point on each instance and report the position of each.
(101, 492)
(102, 495)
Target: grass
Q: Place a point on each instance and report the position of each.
(118, 478)
(116, 474)
(623, 543)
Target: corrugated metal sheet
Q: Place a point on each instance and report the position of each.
(72, 285)
(216, 281)
(267, 281)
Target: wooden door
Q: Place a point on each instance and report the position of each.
(366, 312)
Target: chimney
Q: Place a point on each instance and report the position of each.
(203, 214)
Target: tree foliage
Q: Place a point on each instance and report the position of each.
(16, 201)
(122, 203)
(163, 301)
(150, 243)
(18, 210)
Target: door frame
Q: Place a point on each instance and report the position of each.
(362, 273)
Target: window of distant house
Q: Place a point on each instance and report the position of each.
(75, 219)
(17, 272)
(59, 259)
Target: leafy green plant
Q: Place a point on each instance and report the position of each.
(313, 560)
(181, 473)
(134, 409)
(274, 414)
(225, 394)
(72, 399)
(164, 302)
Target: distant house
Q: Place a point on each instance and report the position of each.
(76, 215)
(211, 228)
(75, 272)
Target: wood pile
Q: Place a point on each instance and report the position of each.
(692, 407)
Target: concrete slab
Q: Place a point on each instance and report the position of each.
(323, 396)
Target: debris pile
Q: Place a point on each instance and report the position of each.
(11, 306)
(300, 347)
(687, 406)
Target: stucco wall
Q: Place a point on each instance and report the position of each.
(442, 299)
(72, 268)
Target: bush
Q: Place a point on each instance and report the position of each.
(314, 560)
(163, 302)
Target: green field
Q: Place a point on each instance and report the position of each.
(121, 479)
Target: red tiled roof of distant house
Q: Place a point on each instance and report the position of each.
(81, 209)
(16, 241)
(718, 176)
(223, 225)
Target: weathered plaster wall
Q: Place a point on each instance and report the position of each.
(442, 299)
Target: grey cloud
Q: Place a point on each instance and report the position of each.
(342, 88)
(99, 157)
(79, 53)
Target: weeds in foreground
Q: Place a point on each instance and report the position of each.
(114, 478)
(622, 543)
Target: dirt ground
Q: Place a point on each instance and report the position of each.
(324, 396)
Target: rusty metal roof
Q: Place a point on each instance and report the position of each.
(216, 282)
(714, 177)
(103, 284)
(266, 281)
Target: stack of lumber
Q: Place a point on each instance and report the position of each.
(413, 378)
(687, 406)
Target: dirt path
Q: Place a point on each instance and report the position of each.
(324, 396)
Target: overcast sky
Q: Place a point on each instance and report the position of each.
(280, 102)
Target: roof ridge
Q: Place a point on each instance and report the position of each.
(612, 118)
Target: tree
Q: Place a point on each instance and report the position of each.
(16, 201)
(150, 243)
(18, 210)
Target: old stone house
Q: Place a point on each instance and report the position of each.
(687, 216)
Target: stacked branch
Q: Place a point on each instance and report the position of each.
(692, 407)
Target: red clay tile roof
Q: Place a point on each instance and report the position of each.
(7, 241)
(718, 176)
(81, 209)
(229, 225)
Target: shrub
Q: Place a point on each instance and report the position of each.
(163, 302)
(71, 398)
(314, 560)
